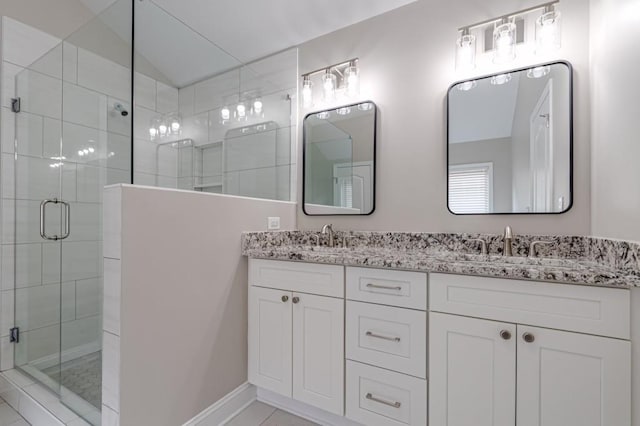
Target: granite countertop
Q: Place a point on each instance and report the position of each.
(584, 271)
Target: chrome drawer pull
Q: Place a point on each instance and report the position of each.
(382, 401)
(378, 336)
(384, 287)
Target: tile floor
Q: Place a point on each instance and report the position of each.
(82, 376)
(260, 414)
(9, 416)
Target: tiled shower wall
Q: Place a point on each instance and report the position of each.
(67, 94)
(241, 164)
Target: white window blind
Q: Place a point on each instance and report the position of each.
(346, 192)
(470, 188)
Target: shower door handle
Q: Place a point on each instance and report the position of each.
(43, 219)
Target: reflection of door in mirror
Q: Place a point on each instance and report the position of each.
(351, 183)
(542, 153)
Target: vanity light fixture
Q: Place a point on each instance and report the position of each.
(508, 31)
(338, 79)
(165, 126)
(538, 72)
(504, 41)
(241, 112)
(323, 115)
(465, 50)
(257, 106)
(365, 106)
(500, 79)
(225, 114)
(548, 30)
(344, 111)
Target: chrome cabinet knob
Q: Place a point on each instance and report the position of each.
(505, 334)
(285, 298)
(528, 337)
(295, 299)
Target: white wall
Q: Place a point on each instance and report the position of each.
(615, 127)
(177, 342)
(407, 63)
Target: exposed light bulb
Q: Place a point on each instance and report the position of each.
(329, 86)
(466, 51)
(153, 133)
(307, 92)
(81, 153)
(352, 75)
(257, 106)
(175, 126)
(225, 114)
(91, 149)
(323, 115)
(241, 112)
(504, 42)
(162, 129)
(548, 32)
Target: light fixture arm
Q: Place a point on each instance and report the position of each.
(543, 6)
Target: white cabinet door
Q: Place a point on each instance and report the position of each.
(318, 351)
(472, 371)
(270, 339)
(571, 379)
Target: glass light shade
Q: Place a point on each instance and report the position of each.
(504, 42)
(225, 114)
(466, 52)
(163, 129)
(257, 106)
(175, 126)
(323, 115)
(307, 93)
(344, 111)
(153, 133)
(241, 112)
(465, 86)
(352, 77)
(365, 106)
(499, 79)
(548, 32)
(538, 72)
(329, 87)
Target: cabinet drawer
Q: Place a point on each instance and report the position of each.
(313, 278)
(377, 397)
(388, 337)
(592, 310)
(386, 287)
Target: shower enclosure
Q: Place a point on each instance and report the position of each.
(72, 137)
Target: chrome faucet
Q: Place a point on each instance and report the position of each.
(508, 238)
(328, 229)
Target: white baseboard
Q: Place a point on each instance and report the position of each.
(303, 410)
(226, 408)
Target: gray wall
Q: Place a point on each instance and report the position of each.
(408, 66)
(496, 151)
(615, 118)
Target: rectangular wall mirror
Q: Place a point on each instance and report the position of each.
(339, 161)
(510, 142)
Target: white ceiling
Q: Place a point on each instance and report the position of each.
(190, 40)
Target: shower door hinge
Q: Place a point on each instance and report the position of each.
(15, 105)
(14, 335)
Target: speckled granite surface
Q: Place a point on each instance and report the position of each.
(567, 259)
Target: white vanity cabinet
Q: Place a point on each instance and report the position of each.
(296, 331)
(569, 366)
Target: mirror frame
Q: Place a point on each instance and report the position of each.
(571, 192)
(375, 149)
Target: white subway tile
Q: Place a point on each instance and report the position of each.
(79, 260)
(103, 75)
(90, 183)
(23, 260)
(6, 359)
(186, 97)
(23, 44)
(145, 91)
(40, 94)
(118, 151)
(9, 71)
(88, 298)
(50, 63)
(197, 128)
(111, 373)
(112, 294)
(69, 62)
(167, 98)
(84, 106)
(112, 222)
(214, 92)
(110, 417)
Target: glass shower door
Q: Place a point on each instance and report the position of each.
(41, 218)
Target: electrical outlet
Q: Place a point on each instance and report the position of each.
(273, 223)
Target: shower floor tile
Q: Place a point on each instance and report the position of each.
(82, 376)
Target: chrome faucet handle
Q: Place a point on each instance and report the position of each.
(533, 245)
(345, 240)
(317, 237)
(508, 238)
(483, 245)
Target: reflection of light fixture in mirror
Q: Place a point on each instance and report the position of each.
(352, 76)
(504, 41)
(257, 106)
(225, 114)
(329, 86)
(323, 115)
(163, 129)
(365, 106)
(344, 111)
(467, 85)
(165, 126)
(538, 72)
(499, 79)
(548, 31)
(307, 92)
(241, 112)
(176, 124)
(465, 51)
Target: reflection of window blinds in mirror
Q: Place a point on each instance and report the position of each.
(470, 188)
(346, 192)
